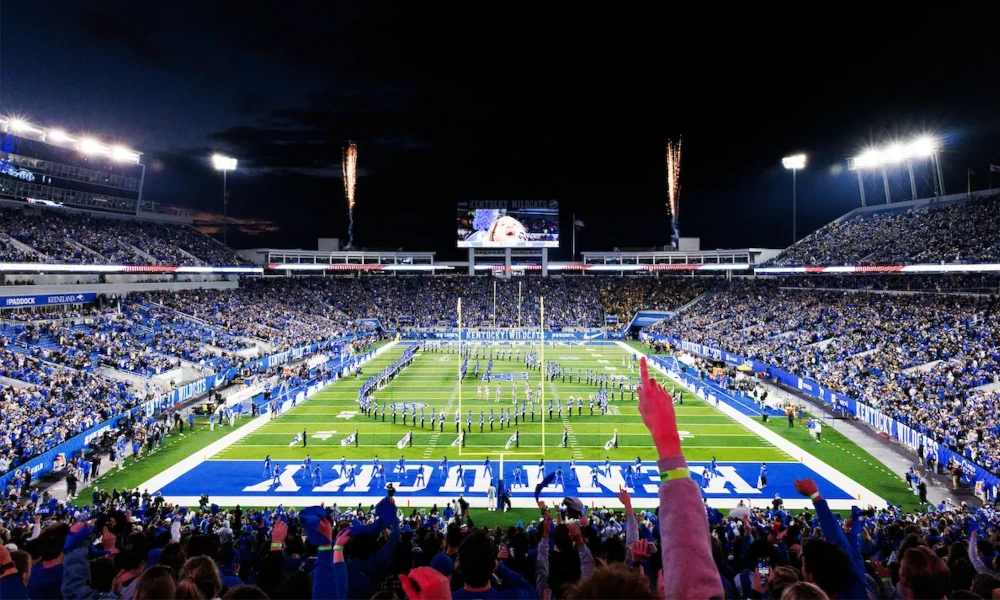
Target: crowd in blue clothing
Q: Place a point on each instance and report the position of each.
(927, 360)
(937, 233)
(78, 238)
(118, 544)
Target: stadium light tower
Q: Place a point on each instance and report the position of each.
(794, 162)
(897, 153)
(224, 164)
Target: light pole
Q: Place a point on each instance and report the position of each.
(795, 162)
(224, 163)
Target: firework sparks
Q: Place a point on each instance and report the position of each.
(350, 170)
(674, 183)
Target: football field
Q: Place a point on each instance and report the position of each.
(431, 385)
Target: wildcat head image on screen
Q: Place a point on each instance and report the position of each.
(502, 227)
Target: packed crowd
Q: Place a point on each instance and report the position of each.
(133, 544)
(927, 360)
(67, 237)
(55, 404)
(433, 301)
(58, 388)
(965, 232)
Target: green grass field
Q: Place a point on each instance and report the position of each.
(432, 381)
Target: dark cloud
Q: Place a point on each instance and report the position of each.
(129, 28)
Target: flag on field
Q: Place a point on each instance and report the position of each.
(545, 482)
(347, 441)
(609, 444)
(458, 440)
(578, 223)
(994, 168)
(510, 441)
(298, 438)
(401, 443)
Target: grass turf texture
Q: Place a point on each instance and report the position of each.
(431, 380)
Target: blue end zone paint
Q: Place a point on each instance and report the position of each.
(245, 478)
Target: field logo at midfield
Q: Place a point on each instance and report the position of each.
(522, 376)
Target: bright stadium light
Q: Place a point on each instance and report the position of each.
(923, 146)
(59, 136)
(797, 161)
(794, 162)
(895, 153)
(91, 146)
(869, 159)
(20, 125)
(123, 154)
(223, 163)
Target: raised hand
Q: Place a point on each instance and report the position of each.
(806, 487)
(279, 532)
(424, 583)
(657, 410)
(625, 499)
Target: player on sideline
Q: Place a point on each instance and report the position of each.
(267, 466)
(565, 438)
(762, 478)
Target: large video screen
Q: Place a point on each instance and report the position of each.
(508, 224)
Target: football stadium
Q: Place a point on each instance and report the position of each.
(299, 401)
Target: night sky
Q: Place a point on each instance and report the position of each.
(468, 101)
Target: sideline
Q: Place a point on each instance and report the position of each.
(171, 473)
(863, 494)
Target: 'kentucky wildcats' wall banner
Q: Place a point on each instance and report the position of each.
(46, 300)
(909, 436)
(514, 335)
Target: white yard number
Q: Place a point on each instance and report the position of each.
(347, 414)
